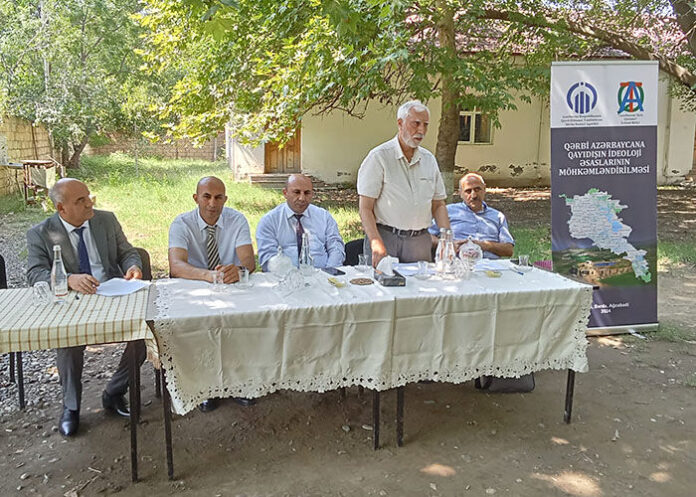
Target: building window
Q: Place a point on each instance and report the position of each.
(474, 127)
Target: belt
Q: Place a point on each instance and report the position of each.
(399, 232)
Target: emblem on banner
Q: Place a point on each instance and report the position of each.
(631, 96)
(581, 97)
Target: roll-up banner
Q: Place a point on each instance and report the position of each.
(604, 186)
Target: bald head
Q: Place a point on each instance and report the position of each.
(210, 197)
(72, 201)
(298, 192)
(211, 181)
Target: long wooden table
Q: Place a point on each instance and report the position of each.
(81, 320)
(251, 342)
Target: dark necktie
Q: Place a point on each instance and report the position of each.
(211, 248)
(298, 232)
(85, 267)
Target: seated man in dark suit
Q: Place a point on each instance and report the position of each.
(94, 250)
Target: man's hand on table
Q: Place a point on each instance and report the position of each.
(83, 283)
(379, 251)
(230, 272)
(134, 273)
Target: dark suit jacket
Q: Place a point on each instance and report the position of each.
(116, 254)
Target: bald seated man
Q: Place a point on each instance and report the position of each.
(193, 235)
(94, 250)
(283, 227)
(473, 218)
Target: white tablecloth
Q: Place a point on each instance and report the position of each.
(248, 343)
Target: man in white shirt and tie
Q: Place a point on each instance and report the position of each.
(284, 225)
(210, 238)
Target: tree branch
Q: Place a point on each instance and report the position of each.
(680, 73)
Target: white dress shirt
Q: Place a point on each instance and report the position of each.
(188, 232)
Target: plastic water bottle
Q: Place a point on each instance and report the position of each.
(59, 278)
(306, 262)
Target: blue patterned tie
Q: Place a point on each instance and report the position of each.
(298, 232)
(85, 267)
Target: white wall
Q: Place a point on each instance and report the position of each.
(334, 145)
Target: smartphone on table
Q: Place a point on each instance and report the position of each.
(333, 271)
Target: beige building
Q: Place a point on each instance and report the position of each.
(331, 147)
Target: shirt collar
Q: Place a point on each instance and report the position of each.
(288, 212)
(466, 207)
(202, 224)
(399, 153)
(70, 228)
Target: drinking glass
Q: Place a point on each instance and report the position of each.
(218, 281)
(422, 273)
(364, 263)
(42, 293)
(524, 263)
(243, 278)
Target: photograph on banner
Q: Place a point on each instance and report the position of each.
(603, 193)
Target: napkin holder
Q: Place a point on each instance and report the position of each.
(395, 279)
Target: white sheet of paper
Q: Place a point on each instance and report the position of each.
(491, 265)
(118, 286)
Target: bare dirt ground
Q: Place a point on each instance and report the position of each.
(633, 430)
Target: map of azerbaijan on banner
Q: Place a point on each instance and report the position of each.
(603, 185)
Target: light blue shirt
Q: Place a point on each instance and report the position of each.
(489, 225)
(278, 227)
(188, 232)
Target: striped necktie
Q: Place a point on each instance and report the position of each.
(211, 248)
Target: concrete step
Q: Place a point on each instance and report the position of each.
(276, 181)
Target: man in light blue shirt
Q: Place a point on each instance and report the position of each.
(283, 226)
(188, 237)
(473, 218)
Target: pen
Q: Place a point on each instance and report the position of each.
(518, 272)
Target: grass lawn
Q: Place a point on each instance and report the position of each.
(147, 200)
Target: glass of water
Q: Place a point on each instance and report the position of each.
(218, 281)
(364, 263)
(243, 278)
(42, 293)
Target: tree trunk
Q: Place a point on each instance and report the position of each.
(74, 161)
(65, 155)
(686, 18)
(448, 130)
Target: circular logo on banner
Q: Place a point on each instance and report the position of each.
(581, 97)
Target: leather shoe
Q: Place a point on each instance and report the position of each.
(69, 422)
(244, 402)
(116, 404)
(208, 405)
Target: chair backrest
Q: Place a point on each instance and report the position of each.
(3, 273)
(145, 258)
(353, 249)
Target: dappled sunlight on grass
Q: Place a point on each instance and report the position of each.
(436, 469)
(572, 483)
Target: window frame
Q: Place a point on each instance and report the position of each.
(472, 114)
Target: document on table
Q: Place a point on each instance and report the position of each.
(491, 265)
(118, 286)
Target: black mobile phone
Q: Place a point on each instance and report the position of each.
(333, 271)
